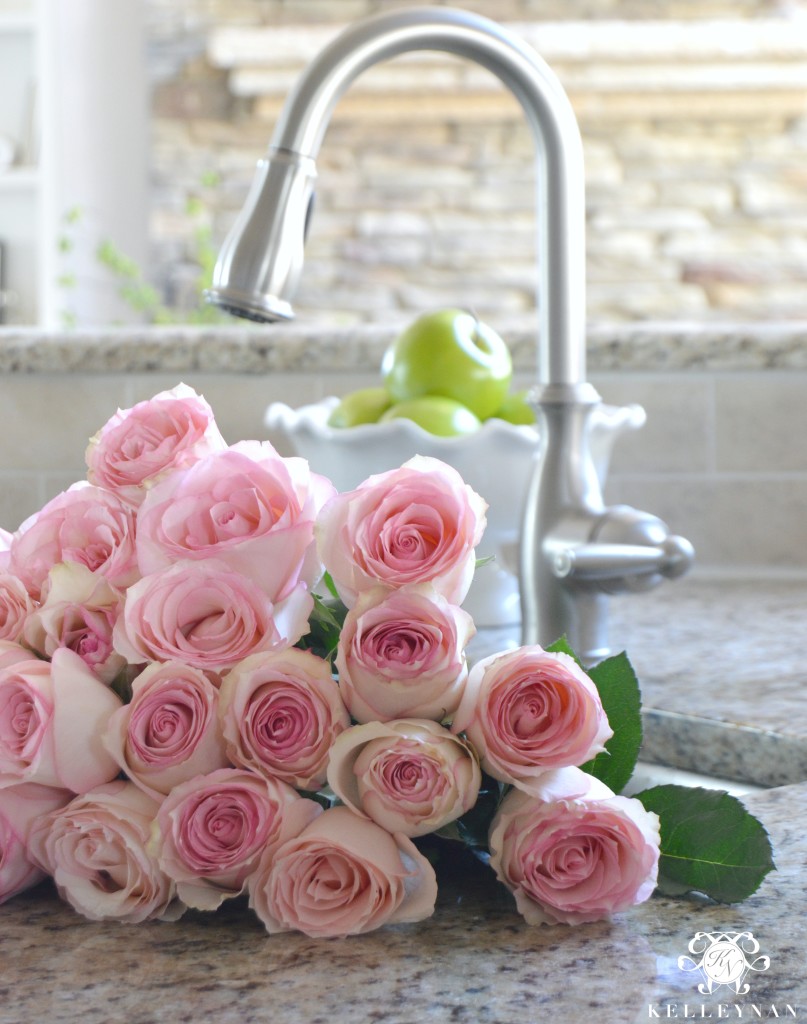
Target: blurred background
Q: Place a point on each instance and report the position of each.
(135, 127)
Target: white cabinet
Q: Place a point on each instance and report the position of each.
(20, 178)
(74, 100)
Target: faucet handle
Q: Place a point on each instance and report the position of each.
(627, 550)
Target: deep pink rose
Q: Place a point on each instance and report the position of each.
(15, 606)
(79, 612)
(573, 852)
(246, 507)
(138, 445)
(410, 776)
(83, 524)
(280, 713)
(212, 830)
(169, 732)
(343, 875)
(527, 711)
(401, 654)
(95, 849)
(207, 615)
(20, 806)
(416, 524)
(52, 718)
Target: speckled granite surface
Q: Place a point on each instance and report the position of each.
(723, 674)
(298, 346)
(474, 962)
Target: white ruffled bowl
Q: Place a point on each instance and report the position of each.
(497, 462)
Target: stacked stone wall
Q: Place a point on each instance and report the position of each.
(693, 116)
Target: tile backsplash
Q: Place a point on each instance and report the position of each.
(722, 457)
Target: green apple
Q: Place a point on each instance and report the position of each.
(363, 406)
(516, 409)
(453, 354)
(437, 415)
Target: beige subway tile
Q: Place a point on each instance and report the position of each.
(47, 419)
(761, 422)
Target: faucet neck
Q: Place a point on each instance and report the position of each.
(559, 154)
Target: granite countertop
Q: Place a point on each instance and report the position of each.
(299, 346)
(474, 961)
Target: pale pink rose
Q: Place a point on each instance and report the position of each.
(245, 506)
(416, 524)
(169, 732)
(138, 445)
(343, 875)
(212, 830)
(410, 776)
(206, 615)
(12, 653)
(79, 612)
(95, 849)
(280, 713)
(573, 852)
(15, 606)
(52, 717)
(20, 806)
(528, 711)
(401, 654)
(83, 524)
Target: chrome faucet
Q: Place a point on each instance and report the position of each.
(574, 550)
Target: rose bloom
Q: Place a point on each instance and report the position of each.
(246, 507)
(280, 713)
(12, 654)
(6, 537)
(169, 732)
(211, 831)
(83, 524)
(573, 852)
(138, 445)
(15, 606)
(343, 875)
(527, 711)
(416, 524)
(79, 612)
(401, 654)
(52, 718)
(95, 849)
(206, 615)
(20, 806)
(410, 776)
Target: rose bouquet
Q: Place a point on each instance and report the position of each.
(220, 677)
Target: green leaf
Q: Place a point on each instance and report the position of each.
(710, 843)
(561, 646)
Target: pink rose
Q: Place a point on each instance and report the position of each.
(52, 717)
(15, 606)
(169, 732)
(136, 446)
(95, 849)
(408, 776)
(212, 830)
(416, 524)
(11, 654)
(280, 713)
(527, 711)
(401, 655)
(206, 615)
(79, 612)
(572, 852)
(83, 524)
(20, 806)
(246, 507)
(343, 875)
(6, 537)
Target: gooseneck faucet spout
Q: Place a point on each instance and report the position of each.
(565, 568)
